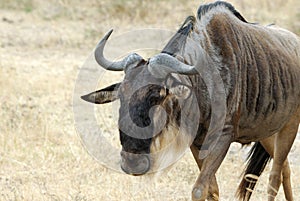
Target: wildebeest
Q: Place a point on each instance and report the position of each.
(259, 68)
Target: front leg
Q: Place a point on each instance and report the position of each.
(213, 191)
(211, 163)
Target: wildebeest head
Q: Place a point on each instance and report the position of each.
(156, 101)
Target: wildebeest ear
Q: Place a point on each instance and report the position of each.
(181, 91)
(102, 96)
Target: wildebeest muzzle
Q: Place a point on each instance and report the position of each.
(135, 164)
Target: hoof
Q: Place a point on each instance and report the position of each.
(197, 194)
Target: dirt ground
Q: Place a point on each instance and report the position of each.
(43, 46)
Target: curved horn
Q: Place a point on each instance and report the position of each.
(110, 65)
(163, 64)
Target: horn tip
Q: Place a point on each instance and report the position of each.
(108, 34)
(104, 39)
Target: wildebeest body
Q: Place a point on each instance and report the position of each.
(267, 87)
(260, 68)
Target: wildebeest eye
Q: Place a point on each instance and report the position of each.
(163, 92)
(158, 95)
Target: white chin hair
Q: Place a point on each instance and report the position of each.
(168, 147)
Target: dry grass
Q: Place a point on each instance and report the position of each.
(43, 45)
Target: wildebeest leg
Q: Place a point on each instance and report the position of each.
(213, 190)
(211, 164)
(286, 181)
(283, 143)
(268, 144)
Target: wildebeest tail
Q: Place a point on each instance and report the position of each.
(257, 160)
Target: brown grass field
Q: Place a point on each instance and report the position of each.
(43, 46)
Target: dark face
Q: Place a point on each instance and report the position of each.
(149, 118)
(136, 122)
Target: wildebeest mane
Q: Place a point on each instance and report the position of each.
(207, 7)
(179, 39)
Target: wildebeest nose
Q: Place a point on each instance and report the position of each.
(134, 164)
